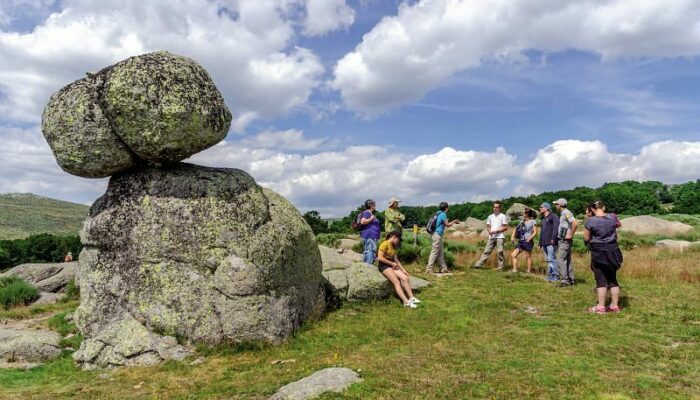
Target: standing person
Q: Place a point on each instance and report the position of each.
(69, 257)
(549, 241)
(371, 230)
(437, 251)
(393, 271)
(525, 233)
(393, 218)
(567, 228)
(606, 258)
(497, 224)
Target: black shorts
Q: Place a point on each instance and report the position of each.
(605, 276)
(383, 267)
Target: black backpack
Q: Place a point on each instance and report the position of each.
(357, 222)
(432, 223)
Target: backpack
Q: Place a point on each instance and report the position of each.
(357, 222)
(432, 223)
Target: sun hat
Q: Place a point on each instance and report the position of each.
(394, 200)
(561, 202)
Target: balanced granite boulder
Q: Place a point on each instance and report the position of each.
(155, 108)
(202, 254)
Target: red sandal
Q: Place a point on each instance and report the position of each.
(597, 310)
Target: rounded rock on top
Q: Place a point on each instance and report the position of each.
(154, 108)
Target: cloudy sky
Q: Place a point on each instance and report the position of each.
(335, 101)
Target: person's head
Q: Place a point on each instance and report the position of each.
(443, 206)
(497, 207)
(370, 204)
(70, 254)
(394, 202)
(560, 204)
(597, 207)
(545, 208)
(394, 237)
(529, 214)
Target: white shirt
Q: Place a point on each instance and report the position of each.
(496, 222)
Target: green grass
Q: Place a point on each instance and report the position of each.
(14, 291)
(24, 214)
(472, 338)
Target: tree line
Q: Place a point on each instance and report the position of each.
(628, 198)
(38, 248)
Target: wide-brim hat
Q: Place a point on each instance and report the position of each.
(394, 200)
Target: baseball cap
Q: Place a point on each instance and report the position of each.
(394, 200)
(546, 205)
(561, 202)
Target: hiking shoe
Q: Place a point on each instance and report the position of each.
(444, 270)
(613, 309)
(429, 270)
(410, 304)
(597, 310)
(476, 266)
(499, 268)
(414, 300)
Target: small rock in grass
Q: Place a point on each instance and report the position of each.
(326, 380)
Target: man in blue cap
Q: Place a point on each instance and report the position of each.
(549, 240)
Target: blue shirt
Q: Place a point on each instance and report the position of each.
(440, 223)
(371, 230)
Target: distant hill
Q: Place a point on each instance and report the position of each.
(23, 214)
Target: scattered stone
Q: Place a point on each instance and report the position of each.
(277, 362)
(648, 225)
(198, 361)
(47, 277)
(104, 376)
(202, 253)
(418, 283)
(326, 380)
(25, 366)
(139, 385)
(532, 310)
(29, 345)
(48, 298)
(156, 107)
(68, 317)
(676, 245)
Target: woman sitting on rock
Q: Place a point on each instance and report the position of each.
(606, 257)
(523, 236)
(392, 269)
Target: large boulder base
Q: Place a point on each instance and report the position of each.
(202, 254)
(153, 108)
(648, 225)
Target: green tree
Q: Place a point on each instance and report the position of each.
(317, 224)
(686, 197)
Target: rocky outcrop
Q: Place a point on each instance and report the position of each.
(154, 108)
(676, 245)
(648, 225)
(517, 210)
(326, 380)
(28, 345)
(203, 254)
(353, 280)
(48, 277)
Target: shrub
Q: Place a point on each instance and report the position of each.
(72, 292)
(329, 239)
(358, 247)
(409, 253)
(14, 292)
(629, 240)
(461, 247)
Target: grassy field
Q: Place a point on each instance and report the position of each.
(478, 334)
(24, 214)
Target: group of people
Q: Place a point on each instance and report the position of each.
(556, 235)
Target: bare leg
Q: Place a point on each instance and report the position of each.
(514, 257)
(405, 282)
(391, 276)
(602, 294)
(615, 295)
(528, 257)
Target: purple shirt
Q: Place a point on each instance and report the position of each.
(371, 230)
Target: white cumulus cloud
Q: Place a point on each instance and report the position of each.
(324, 16)
(407, 55)
(246, 45)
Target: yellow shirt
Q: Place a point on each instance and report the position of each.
(388, 249)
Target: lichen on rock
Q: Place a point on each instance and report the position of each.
(154, 108)
(198, 253)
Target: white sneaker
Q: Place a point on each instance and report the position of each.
(414, 300)
(410, 304)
